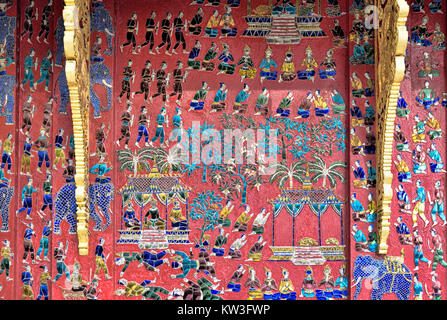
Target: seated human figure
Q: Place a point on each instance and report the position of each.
(338, 39)
(359, 175)
(427, 96)
(178, 221)
(286, 288)
(310, 64)
(321, 107)
(227, 24)
(438, 38)
(403, 232)
(433, 124)
(403, 172)
(402, 110)
(338, 103)
(361, 243)
(437, 165)
(130, 221)
(283, 108)
(154, 222)
(359, 53)
(358, 211)
(308, 285)
(357, 86)
(357, 146)
(370, 113)
(267, 65)
(225, 66)
(427, 66)
(356, 115)
(370, 144)
(287, 68)
(419, 165)
(304, 107)
(329, 64)
(420, 34)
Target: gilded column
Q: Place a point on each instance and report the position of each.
(390, 69)
(76, 16)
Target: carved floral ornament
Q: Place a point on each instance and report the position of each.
(390, 68)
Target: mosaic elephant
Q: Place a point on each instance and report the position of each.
(101, 21)
(388, 276)
(7, 84)
(6, 194)
(59, 35)
(100, 74)
(7, 29)
(100, 195)
(63, 91)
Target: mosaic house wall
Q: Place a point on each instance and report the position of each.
(161, 228)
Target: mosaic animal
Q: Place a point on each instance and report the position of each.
(6, 194)
(101, 21)
(100, 75)
(388, 276)
(100, 196)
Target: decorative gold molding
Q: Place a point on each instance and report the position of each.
(390, 69)
(76, 16)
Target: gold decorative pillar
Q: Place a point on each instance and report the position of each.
(391, 42)
(76, 16)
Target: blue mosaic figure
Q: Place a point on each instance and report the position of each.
(27, 199)
(160, 132)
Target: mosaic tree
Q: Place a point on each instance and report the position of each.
(136, 161)
(320, 170)
(205, 208)
(296, 170)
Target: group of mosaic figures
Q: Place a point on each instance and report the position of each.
(204, 289)
(224, 24)
(79, 288)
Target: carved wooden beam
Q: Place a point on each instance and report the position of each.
(76, 16)
(390, 69)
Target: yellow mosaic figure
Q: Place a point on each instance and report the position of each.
(286, 288)
(253, 285)
(247, 70)
(419, 208)
(418, 130)
(100, 260)
(287, 68)
(178, 221)
(309, 61)
(242, 221)
(356, 144)
(224, 221)
(27, 281)
(433, 124)
(403, 171)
